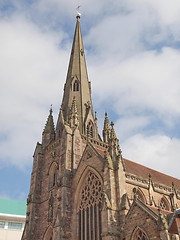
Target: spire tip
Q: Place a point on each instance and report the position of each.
(78, 13)
(50, 109)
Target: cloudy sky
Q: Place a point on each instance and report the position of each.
(132, 50)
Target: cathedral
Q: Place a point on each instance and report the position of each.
(82, 188)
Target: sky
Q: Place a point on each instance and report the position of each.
(132, 50)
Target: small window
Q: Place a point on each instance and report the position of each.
(76, 86)
(14, 225)
(89, 129)
(52, 175)
(91, 132)
(139, 234)
(163, 204)
(54, 179)
(2, 224)
(140, 195)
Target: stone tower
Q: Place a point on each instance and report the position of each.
(81, 187)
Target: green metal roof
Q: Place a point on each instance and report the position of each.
(12, 207)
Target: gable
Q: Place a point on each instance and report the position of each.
(140, 216)
(90, 159)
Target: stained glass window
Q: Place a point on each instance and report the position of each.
(90, 209)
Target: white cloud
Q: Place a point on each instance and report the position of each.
(145, 82)
(32, 68)
(128, 125)
(159, 152)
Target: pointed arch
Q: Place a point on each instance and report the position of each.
(139, 234)
(82, 180)
(76, 86)
(90, 129)
(48, 234)
(88, 200)
(52, 174)
(164, 203)
(140, 195)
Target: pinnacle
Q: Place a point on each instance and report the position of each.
(113, 134)
(49, 127)
(74, 106)
(106, 122)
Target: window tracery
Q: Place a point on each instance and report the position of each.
(89, 129)
(163, 204)
(90, 208)
(140, 195)
(139, 234)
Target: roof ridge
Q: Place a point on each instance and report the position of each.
(150, 168)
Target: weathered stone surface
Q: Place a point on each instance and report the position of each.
(72, 164)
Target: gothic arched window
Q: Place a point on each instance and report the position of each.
(89, 129)
(52, 175)
(139, 234)
(90, 208)
(54, 179)
(164, 204)
(140, 195)
(76, 86)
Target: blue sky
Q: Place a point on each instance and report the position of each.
(132, 51)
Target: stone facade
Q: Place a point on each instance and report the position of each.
(81, 186)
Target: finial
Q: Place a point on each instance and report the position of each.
(106, 114)
(50, 109)
(112, 124)
(78, 13)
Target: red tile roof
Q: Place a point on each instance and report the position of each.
(156, 210)
(142, 171)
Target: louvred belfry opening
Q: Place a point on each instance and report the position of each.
(90, 208)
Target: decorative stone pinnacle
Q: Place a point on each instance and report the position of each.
(113, 134)
(49, 126)
(74, 107)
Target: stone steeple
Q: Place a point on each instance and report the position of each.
(77, 85)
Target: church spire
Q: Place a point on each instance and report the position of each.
(77, 85)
